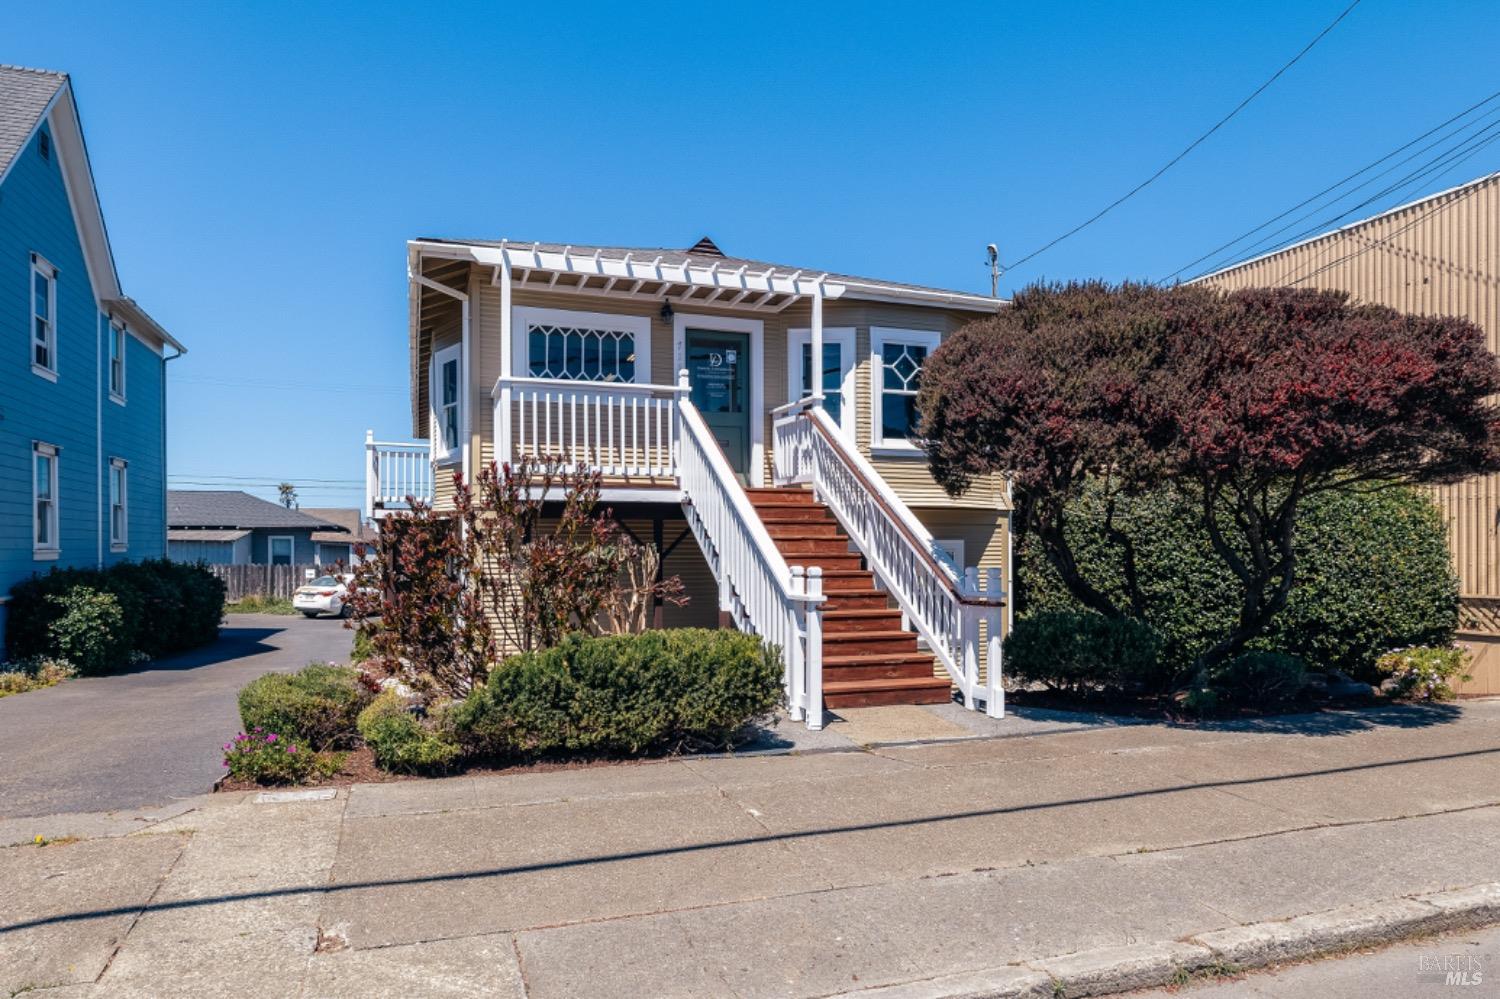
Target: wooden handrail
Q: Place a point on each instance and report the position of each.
(917, 543)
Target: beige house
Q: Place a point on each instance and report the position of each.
(1436, 256)
(785, 492)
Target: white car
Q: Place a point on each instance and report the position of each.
(324, 595)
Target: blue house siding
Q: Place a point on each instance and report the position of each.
(302, 544)
(73, 413)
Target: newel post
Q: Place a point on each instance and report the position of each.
(372, 475)
(814, 616)
(795, 650)
(994, 701)
(970, 638)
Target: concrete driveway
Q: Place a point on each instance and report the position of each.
(149, 736)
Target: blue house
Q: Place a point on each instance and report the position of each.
(82, 366)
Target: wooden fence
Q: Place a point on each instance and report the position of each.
(243, 581)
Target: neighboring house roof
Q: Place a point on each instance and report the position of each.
(25, 96)
(29, 97)
(234, 509)
(204, 534)
(1429, 202)
(351, 521)
(705, 254)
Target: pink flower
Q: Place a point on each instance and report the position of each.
(271, 737)
(291, 749)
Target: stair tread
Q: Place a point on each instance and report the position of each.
(877, 634)
(879, 659)
(862, 612)
(889, 683)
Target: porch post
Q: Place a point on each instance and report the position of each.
(372, 475)
(815, 377)
(503, 403)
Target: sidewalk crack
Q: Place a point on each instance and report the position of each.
(147, 906)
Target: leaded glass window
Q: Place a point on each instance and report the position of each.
(581, 353)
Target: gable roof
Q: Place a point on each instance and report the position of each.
(227, 509)
(706, 256)
(351, 522)
(29, 97)
(25, 96)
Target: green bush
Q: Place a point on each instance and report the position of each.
(165, 607)
(1425, 674)
(403, 742)
(89, 630)
(268, 758)
(1260, 680)
(1082, 651)
(1373, 573)
(363, 645)
(319, 705)
(622, 694)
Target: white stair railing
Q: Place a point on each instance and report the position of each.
(622, 429)
(394, 471)
(945, 608)
(765, 596)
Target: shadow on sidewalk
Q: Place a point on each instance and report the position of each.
(232, 644)
(727, 844)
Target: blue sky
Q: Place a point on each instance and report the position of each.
(261, 166)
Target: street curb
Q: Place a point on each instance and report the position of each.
(1112, 970)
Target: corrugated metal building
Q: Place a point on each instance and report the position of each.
(1436, 256)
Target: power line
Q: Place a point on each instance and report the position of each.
(263, 478)
(1332, 187)
(1191, 146)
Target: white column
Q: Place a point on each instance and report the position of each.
(503, 404)
(815, 648)
(815, 378)
(372, 475)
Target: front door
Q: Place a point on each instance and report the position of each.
(718, 366)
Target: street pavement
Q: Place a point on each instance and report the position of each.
(152, 735)
(900, 870)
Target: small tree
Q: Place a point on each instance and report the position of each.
(288, 493)
(1254, 401)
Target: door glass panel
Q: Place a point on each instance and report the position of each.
(713, 370)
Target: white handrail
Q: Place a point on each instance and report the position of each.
(944, 608)
(621, 428)
(394, 472)
(578, 383)
(764, 595)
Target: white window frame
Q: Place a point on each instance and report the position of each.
(843, 336)
(955, 549)
(523, 318)
(440, 449)
(53, 547)
(291, 541)
(880, 336)
(41, 268)
(119, 541)
(117, 342)
(684, 321)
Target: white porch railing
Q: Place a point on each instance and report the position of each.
(395, 470)
(765, 596)
(621, 429)
(946, 609)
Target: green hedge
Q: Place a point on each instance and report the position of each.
(1373, 574)
(622, 694)
(165, 607)
(402, 742)
(317, 706)
(1081, 651)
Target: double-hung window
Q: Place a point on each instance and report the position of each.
(896, 360)
(43, 318)
(119, 515)
(447, 400)
(837, 371)
(44, 540)
(117, 362)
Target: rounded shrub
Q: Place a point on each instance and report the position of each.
(89, 630)
(1082, 652)
(1373, 573)
(404, 743)
(318, 706)
(1259, 680)
(1425, 674)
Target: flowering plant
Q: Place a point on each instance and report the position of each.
(1425, 673)
(267, 758)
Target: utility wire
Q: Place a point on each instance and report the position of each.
(1191, 146)
(1332, 187)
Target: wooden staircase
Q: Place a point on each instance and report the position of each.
(868, 658)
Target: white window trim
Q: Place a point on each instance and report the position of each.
(39, 265)
(879, 337)
(844, 337)
(49, 551)
(682, 322)
(117, 336)
(955, 549)
(524, 317)
(121, 542)
(440, 450)
(290, 539)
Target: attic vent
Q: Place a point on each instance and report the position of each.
(705, 247)
(44, 145)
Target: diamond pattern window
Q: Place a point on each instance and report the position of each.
(581, 354)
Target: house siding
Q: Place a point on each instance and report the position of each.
(1436, 257)
(303, 546)
(212, 552)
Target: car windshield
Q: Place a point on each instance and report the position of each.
(324, 581)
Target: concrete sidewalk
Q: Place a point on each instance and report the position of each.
(981, 866)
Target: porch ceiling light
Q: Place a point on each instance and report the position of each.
(666, 311)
